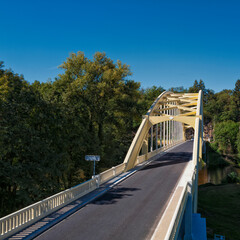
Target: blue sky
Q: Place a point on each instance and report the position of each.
(166, 43)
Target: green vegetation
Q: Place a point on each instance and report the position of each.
(213, 158)
(222, 111)
(226, 136)
(220, 206)
(233, 178)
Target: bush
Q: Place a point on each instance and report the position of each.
(213, 146)
(233, 177)
(213, 157)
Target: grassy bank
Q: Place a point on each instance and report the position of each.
(220, 205)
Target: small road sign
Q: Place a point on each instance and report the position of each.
(92, 158)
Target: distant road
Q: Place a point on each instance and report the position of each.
(132, 209)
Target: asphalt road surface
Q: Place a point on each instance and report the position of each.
(132, 209)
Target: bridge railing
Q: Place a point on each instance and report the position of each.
(144, 157)
(170, 222)
(188, 189)
(19, 220)
(111, 173)
(28, 215)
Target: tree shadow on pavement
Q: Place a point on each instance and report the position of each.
(113, 195)
(169, 159)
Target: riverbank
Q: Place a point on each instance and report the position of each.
(218, 168)
(219, 204)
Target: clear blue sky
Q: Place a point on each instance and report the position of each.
(166, 43)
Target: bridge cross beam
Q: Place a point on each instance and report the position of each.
(166, 121)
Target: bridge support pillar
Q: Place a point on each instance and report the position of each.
(188, 219)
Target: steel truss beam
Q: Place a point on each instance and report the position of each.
(174, 112)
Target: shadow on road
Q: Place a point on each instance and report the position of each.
(115, 194)
(169, 159)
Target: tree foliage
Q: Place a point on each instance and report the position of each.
(178, 89)
(236, 96)
(30, 161)
(222, 110)
(222, 107)
(226, 135)
(197, 86)
(150, 94)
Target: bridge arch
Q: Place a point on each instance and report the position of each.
(170, 115)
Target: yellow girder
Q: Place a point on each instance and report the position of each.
(190, 106)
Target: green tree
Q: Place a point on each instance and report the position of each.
(222, 107)
(30, 158)
(226, 136)
(178, 89)
(236, 95)
(207, 93)
(96, 82)
(105, 99)
(195, 88)
(150, 95)
(238, 144)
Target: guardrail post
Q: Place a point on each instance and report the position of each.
(98, 180)
(114, 171)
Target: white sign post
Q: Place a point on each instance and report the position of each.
(93, 158)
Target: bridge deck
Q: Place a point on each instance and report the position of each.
(132, 209)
